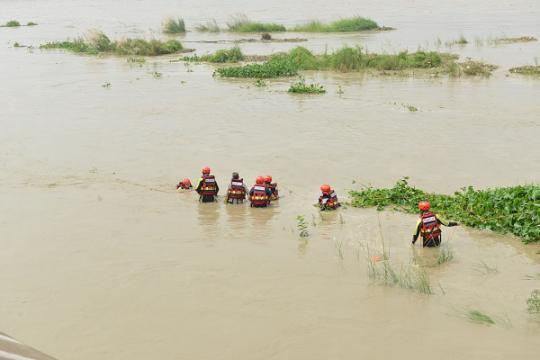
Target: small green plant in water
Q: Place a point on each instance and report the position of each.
(157, 75)
(406, 277)
(106, 85)
(445, 254)
(533, 302)
(174, 26)
(485, 269)
(31, 23)
(136, 60)
(505, 210)
(411, 108)
(209, 26)
(479, 317)
(302, 88)
(302, 226)
(260, 83)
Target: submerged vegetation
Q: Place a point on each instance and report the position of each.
(445, 254)
(97, 42)
(513, 40)
(526, 70)
(533, 302)
(174, 26)
(409, 277)
(479, 317)
(461, 41)
(220, 56)
(349, 59)
(301, 87)
(353, 24)
(209, 26)
(504, 210)
(241, 23)
(302, 226)
(15, 23)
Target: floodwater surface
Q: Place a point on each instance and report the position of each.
(102, 259)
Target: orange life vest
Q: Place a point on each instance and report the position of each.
(430, 227)
(259, 197)
(329, 201)
(237, 189)
(208, 186)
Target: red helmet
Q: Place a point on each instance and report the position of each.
(186, 182)
(326, 189)
(259, 180)
(424, 205)
(206, 170)
(268, 179)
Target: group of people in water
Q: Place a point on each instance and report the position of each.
(261, 194)
(264, 191)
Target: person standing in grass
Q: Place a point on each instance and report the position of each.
(236, 194)
(429, 226)
(207, 186)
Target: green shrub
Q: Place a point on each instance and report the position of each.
(174, 26)
(31, 23)
(505, 210)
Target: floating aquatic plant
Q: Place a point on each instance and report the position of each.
(513, 210)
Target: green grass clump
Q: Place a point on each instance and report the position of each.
(302, 88)
(273, 68)
(209, 26)
(31, 23)
(406, 277)
(221, 56)
(174, 26)
(353, 24)
(479, 317)
(533, 302)
(445, 254)
(526, 70)
(12, 23)
(302, 226)
(241, 23)
(97, 43)
(512, 210)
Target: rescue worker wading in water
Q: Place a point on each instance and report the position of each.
(429, 226)
(328, 200)
(207, 186)
(236, 194)
(260, 194)
(272, 186)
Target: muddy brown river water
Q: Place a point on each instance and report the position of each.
(102, 259)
